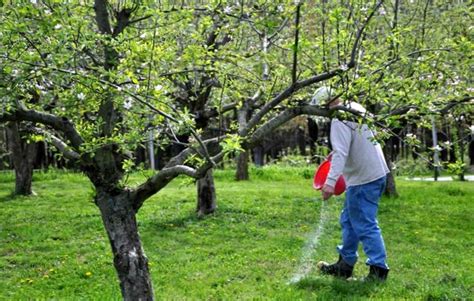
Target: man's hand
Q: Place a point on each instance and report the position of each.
(327, 191)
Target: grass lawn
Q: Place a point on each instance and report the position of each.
(53, 245)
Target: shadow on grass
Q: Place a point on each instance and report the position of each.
(340, 288)
(13, 197)
(175, 223)
(223, 216)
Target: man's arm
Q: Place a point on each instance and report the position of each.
(341, 141)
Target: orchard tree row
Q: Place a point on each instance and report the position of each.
(98, 79)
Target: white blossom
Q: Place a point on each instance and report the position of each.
(128, 104)
(280, 8)
(382, 11)
(58, 26)
(344, 67)
(437, 148)
(34, 1)
(143, 36)
(81, 96)
(158, 87)
(227, 9)
(472, 129)
(410, 135)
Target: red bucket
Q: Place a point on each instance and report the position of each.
(320, 178)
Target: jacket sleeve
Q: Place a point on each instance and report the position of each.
(341, 135)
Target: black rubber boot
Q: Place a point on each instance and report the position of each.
(377, 274)
(338, 269)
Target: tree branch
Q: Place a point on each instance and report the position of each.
(102, 16)
(286, 94)
(58, 143)
(360, 32)
(60, 124)
(174, 168)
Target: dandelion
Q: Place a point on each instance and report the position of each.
(88, 274)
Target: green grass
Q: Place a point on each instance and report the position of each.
(53, 246)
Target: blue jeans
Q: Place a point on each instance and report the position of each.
(359, 224)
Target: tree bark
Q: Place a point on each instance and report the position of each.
(206, 194)
(391, 187)
(471, 150)
(23, 156)
(130, 261)
(242, 173)
(258, 154)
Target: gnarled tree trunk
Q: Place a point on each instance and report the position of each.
(206, 194)
(130, 261)
(23, 156)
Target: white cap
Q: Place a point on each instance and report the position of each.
(321, 95)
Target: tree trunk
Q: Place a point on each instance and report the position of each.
(22, 154)
(461, 147)
(471, 150)
(242, 173)
(206, 194)
(391, 187)
(130, 261)
(258, 156)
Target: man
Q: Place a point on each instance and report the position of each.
(360, 159)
